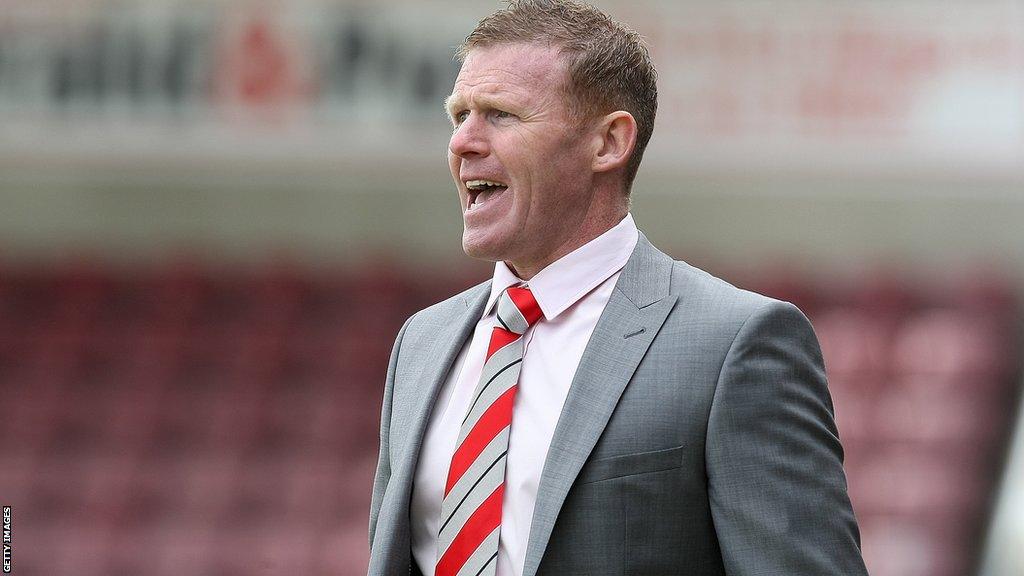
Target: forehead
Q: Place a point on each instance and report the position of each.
(516, 71)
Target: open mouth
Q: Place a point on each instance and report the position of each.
(480, 191)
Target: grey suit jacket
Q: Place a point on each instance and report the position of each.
(697, 437)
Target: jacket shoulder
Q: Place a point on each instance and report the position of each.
(441, 311)
(705, 296)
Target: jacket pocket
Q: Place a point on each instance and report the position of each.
(630, 465)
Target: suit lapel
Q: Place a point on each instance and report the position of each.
(634, 314)
(447, 339)
(437, 360)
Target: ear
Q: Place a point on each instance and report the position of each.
(616, 138)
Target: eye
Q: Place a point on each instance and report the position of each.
(460, 117)
(503, 114)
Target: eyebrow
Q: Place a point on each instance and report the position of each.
(502, 99)
(448, 103)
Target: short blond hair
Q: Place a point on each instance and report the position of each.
(610, 67)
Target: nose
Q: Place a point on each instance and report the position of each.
(469, 140)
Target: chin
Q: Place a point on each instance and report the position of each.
(475, 250)
(483, 249)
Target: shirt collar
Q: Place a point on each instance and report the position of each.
(563, 282)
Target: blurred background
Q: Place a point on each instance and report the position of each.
(215, 215)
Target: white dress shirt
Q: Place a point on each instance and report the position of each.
(572, 293)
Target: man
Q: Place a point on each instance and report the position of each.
(595, 408)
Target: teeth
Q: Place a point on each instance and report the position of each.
(477, 184)
(483, 190)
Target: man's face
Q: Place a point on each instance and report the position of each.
(519, 160)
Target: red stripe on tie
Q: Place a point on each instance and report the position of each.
(497, 416)
(527, 304)
(499, 339)
(478, 527)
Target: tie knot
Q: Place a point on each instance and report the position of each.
(518, 309)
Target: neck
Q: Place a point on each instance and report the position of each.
(591, 227)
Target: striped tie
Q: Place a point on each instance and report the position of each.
(471, 509)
